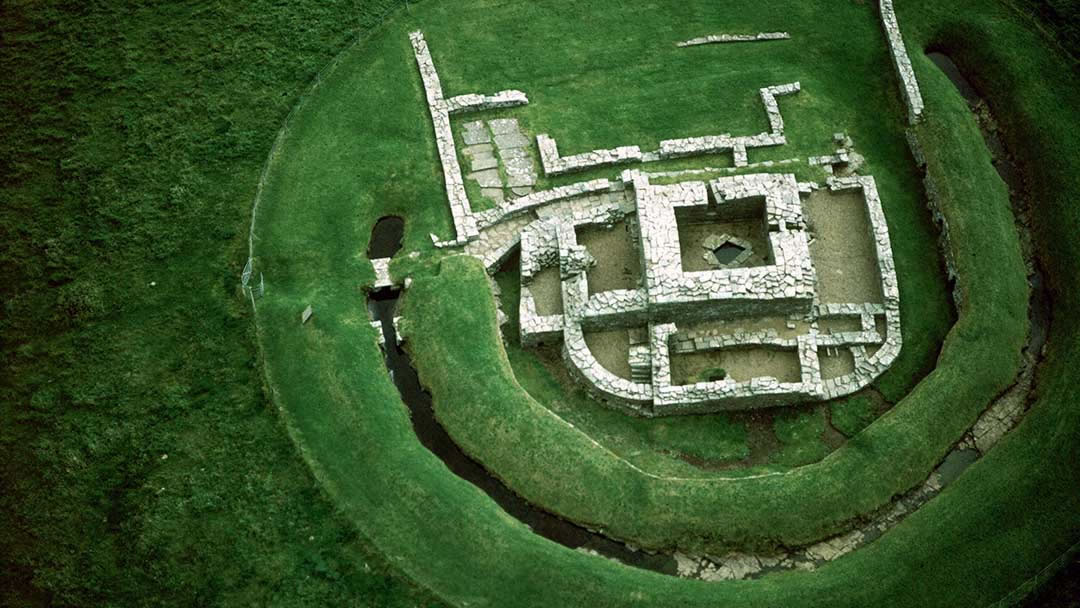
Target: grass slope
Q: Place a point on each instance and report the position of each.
(326, 189)
(430, 505)
(118, 169)
(140, 460)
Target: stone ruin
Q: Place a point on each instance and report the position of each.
(762, 301)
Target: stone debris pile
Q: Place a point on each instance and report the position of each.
(721, 38)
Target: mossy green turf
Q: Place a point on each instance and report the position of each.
(141, 463)
(799, 433)
(639, 88)
(348, 170)
(349, 422)
(133, 139)
(720, 98)
(852, 415)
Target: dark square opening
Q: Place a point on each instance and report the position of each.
(726, 253)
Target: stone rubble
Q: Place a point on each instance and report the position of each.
(721, 38)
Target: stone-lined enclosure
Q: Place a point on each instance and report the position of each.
(761, 329)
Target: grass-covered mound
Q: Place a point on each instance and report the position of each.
(432, 521)
(140, 133)
(348, 170)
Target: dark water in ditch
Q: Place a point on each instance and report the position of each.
(433, 436)
(386, 241)
(386, 237)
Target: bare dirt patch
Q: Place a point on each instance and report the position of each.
(835, 362)
(546, 289)
(838, 325)
(612, 350)
(617, 260)
(741, 364)
(842, 251)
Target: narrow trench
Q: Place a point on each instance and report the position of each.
(386, 240)
(1039, 307)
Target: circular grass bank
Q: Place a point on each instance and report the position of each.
(325, 189)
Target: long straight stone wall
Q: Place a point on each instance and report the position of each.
(440, 109)
(909, 85)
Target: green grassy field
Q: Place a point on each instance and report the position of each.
(499, 424)
(133, 157)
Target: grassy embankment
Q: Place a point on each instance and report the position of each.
(505, 429)
(132, 104)
(427, 504)
(141, 462)
(363, 191)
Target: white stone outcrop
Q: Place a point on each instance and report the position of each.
(722, 38)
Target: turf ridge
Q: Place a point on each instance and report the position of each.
(1028, 487)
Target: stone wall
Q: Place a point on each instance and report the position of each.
(908, 84)
(440, 109)
(669, 296)
(559, 165)
(544, 223)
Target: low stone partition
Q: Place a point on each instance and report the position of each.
(715, 144)
(559, 165)
(722, 38)
(701, 397)
(534, 328)
(682, 342)
(554, 164)
(869, 367)
(602, 384)
(474, 102)
(614, 309)
(440, 109)
(537, 199)
(772, 108)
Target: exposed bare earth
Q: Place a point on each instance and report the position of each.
(617, 260)
(842, 249)
(741, 364)
(612, 350)
(547, 291)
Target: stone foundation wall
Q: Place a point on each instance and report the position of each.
(908, 84)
